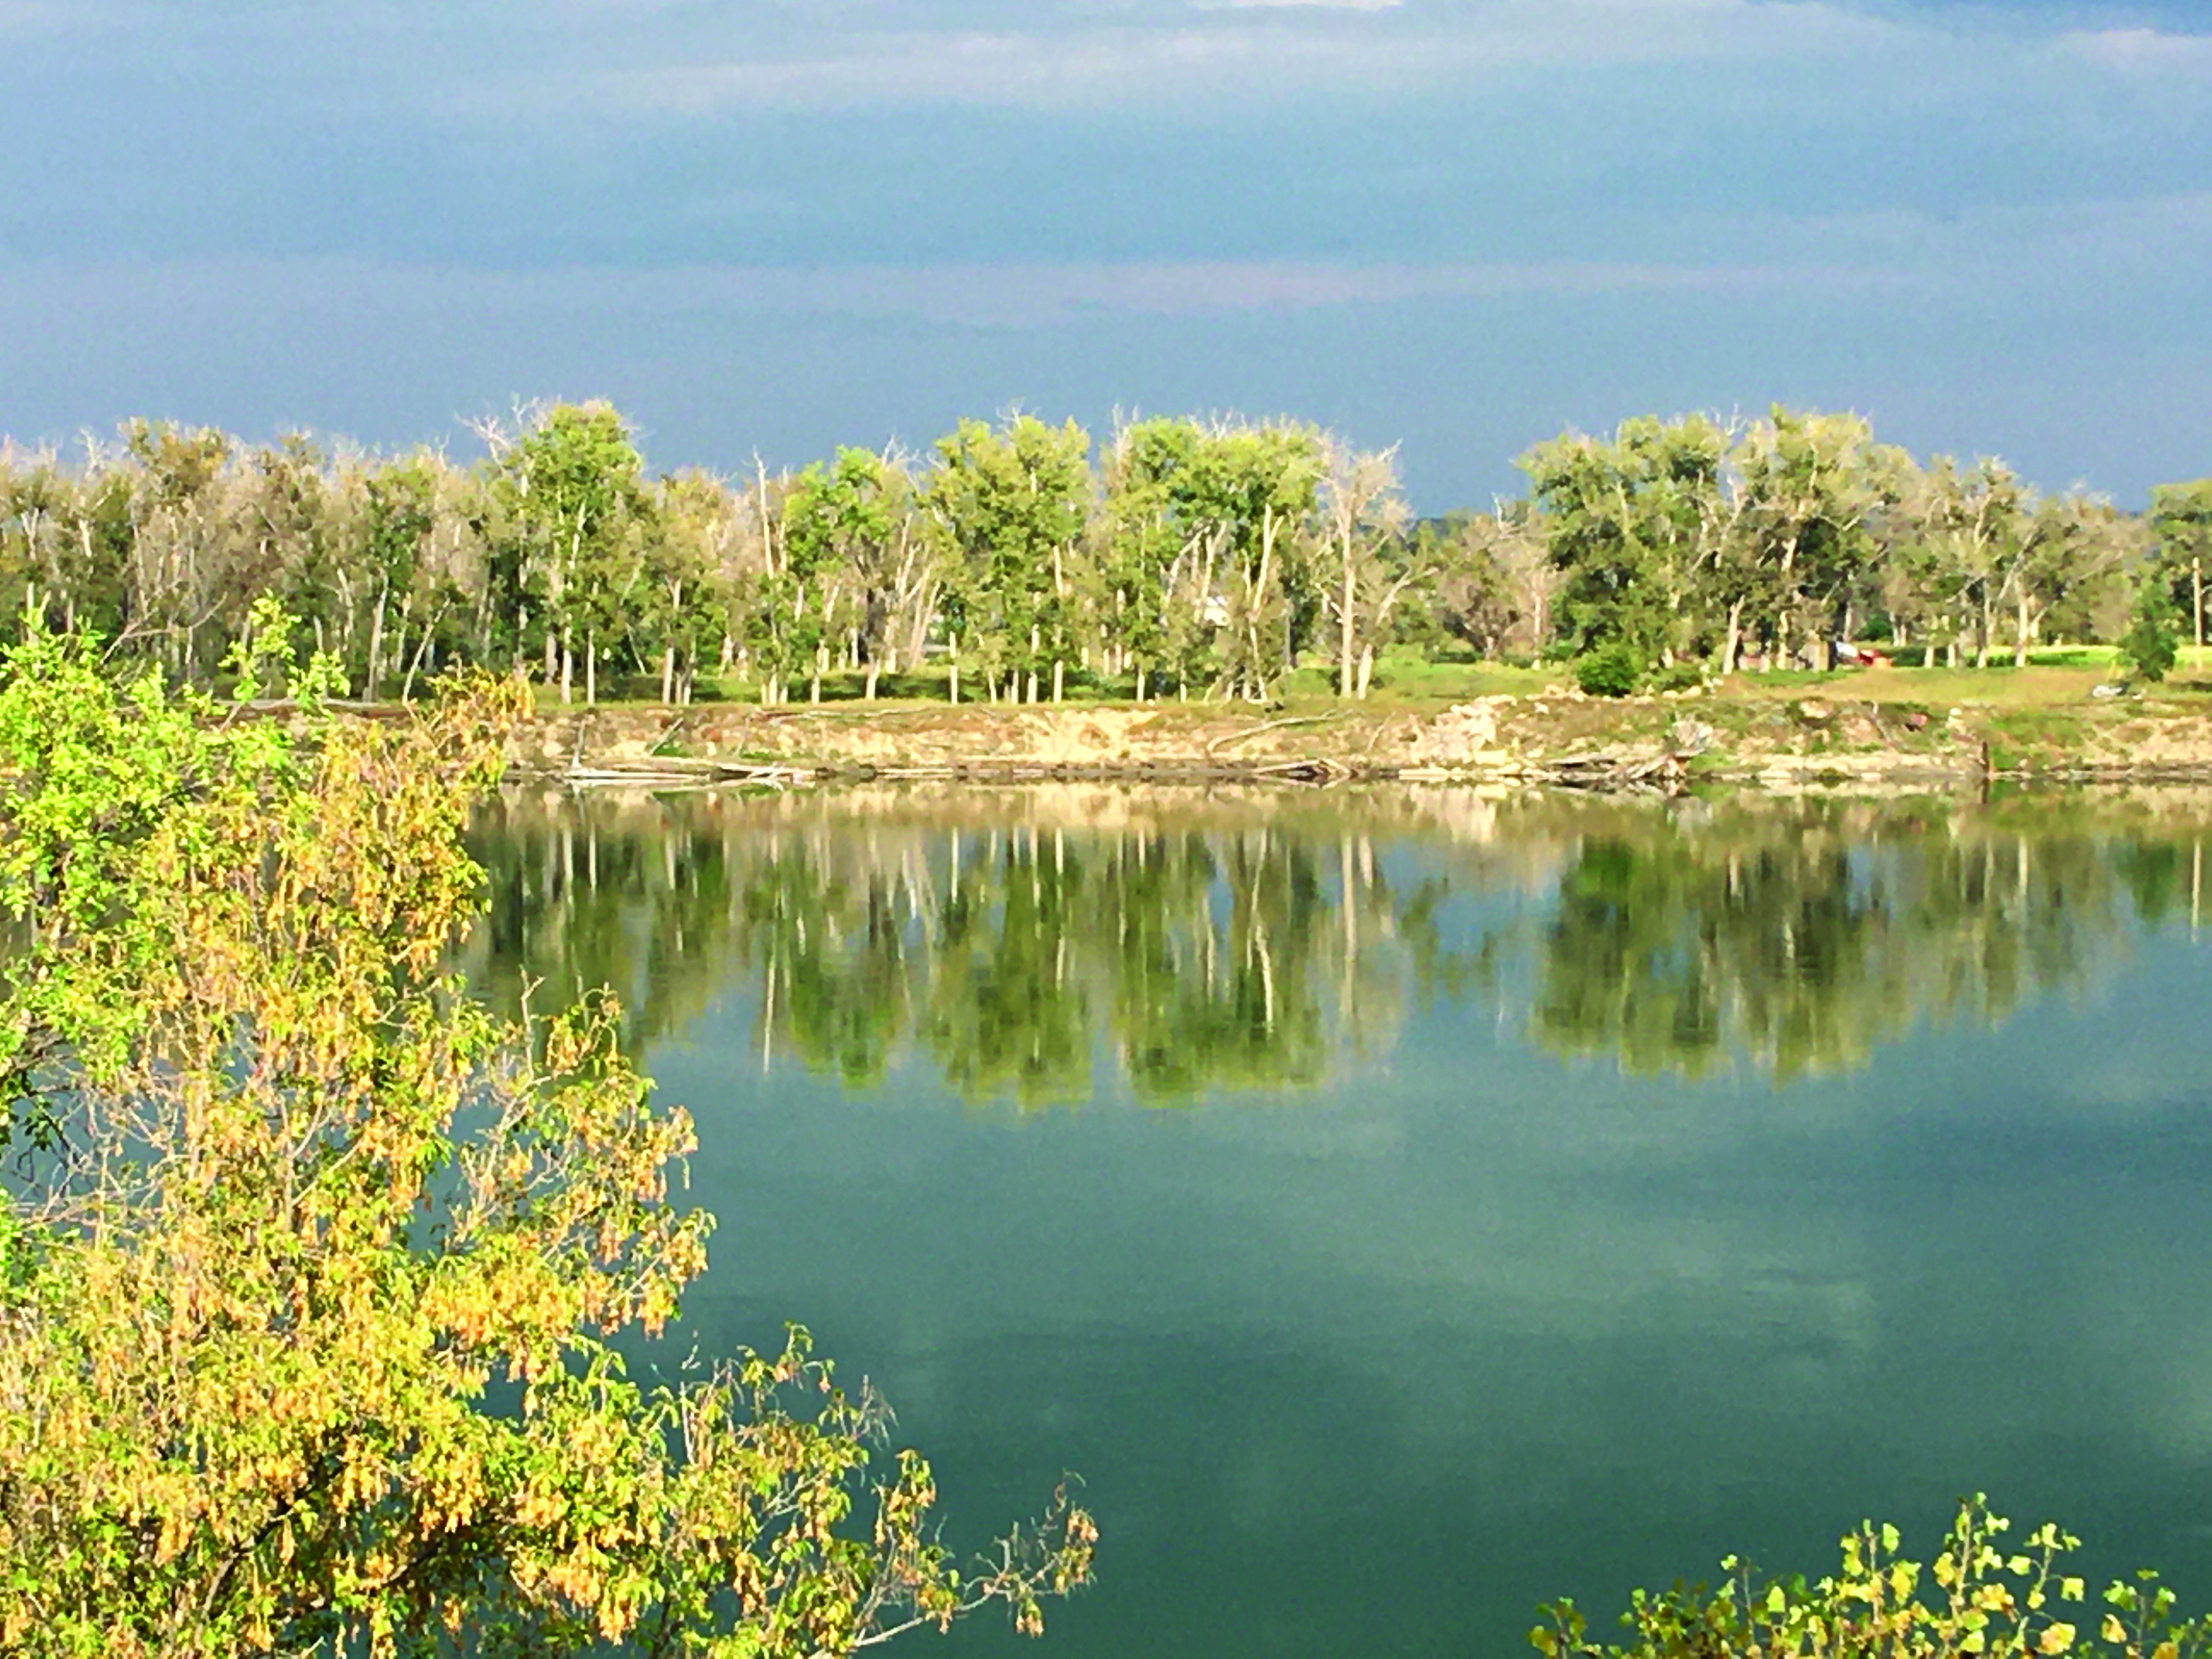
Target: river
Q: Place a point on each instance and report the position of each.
(1404, 1207)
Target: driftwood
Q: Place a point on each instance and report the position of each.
(668, 771)
(1221, 743)
(1663, 771)
(1597, 772)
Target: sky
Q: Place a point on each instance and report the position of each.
(1459, 226)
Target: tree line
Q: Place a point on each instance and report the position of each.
(1019, 558)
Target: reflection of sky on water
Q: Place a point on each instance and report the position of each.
(1373, 1366)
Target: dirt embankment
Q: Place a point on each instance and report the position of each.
(1563, 738)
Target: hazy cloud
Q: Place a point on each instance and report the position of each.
(1341, 5)
(1250, 50)
(2143, 51)
(2047, 250)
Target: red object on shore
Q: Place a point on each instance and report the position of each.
(1858, 656)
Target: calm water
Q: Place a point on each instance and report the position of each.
(1402, 1209)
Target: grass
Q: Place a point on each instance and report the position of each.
(1407, 681)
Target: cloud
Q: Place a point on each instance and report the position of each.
(995, 296)
(1246, 48)
(29, 15)
(2140, 52)
(1341, 5)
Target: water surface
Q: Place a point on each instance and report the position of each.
(1402, 1208)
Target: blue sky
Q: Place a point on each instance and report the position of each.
(1462, 224)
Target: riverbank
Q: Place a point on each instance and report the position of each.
(1867, 731)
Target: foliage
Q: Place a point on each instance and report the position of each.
(311, 1263)
(1974, 1598)
(1614, 669)
(1198, 557)
(1010, 505)
(2150, 646)
(1624, 518)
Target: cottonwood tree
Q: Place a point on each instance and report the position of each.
(1625, 521)
(1011, 504)
(1136, 541)
(856, 524)
(1364, 517)
(2181, 520)
(682, 611)
(2076, 548)
(1473, 596)
(1215, 524)
(570, 482)
(1208, 555)
(1809, 487)
(1969, 525)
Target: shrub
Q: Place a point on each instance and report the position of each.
(1973, 1598)
(1679, 676)
(2151, 643)
(1614, 669)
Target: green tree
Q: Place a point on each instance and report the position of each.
(854, 525)
(2074, 552)
(1012, 504)
(683, 608)
(310, 1264)
(570, 482)
(1490, 577)
(2150, 646)
(1624, 519)
(1808, 485)
(2181, 520)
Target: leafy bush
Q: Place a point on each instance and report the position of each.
(2152, 642)
(291, 1212)
(1973, 1598)
(1614, 669)
(1679, 676)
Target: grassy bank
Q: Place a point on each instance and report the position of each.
(1427, 719)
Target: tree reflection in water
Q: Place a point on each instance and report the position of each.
(1020, 940)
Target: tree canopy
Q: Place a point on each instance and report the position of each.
(1171, 556)
(312, 1268)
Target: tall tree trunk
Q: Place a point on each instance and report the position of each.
(591, 668)
(1734, 643)
(567, 669)
(1366, 670)
(954, 641)
(1345, 626)
(668, 673)
(376, 645)
(2019, 642)
(1058, 680)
